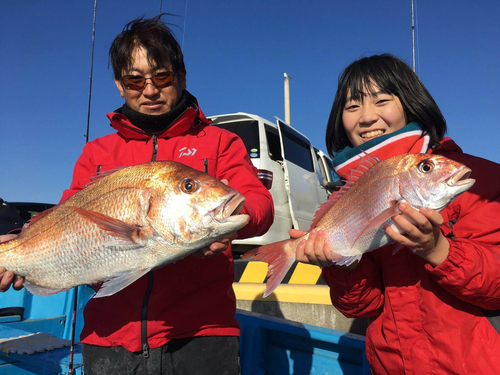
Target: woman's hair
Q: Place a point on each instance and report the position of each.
(393, 76)
(156, 38)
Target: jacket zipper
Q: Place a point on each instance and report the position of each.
(144, 317)
(155, 147)
(145, 301)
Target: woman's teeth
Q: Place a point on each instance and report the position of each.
(372, 134)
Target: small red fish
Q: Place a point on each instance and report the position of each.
(354, 217)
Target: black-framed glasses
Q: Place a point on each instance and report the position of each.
(160, 80)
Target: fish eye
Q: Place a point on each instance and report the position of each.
(189, 186)
(426, 166)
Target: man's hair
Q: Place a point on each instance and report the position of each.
(392, 76)
(156, 38)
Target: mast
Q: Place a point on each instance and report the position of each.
(287, 98)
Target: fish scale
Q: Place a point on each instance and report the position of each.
(347, 217)
(121, 226)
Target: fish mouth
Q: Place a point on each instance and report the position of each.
(461, 178)
(231, 207)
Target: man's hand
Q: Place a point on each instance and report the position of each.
(8, 278)
(217, 247)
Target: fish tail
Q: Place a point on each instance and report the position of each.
(280, 257)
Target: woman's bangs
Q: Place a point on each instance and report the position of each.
(361, 86)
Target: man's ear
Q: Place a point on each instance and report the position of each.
(182, 80)
(119, 86)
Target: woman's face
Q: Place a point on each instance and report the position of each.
(375, 114)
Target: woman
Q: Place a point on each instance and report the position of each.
(428, 301)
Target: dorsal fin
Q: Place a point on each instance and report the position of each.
(368, 159)
(37, 217)
(325, 207)
(365, 162)
(100, 175)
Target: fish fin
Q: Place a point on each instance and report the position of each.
(345, 260)
(325, 207)
(136, 242)
(397, 248)
(101, 174)
(38, 216)
(279, 258)
(41, 291)
(119, 282)
(332, 199)
(113, 227)
(379, 220)
(366, 161)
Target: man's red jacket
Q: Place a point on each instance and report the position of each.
(193, 297)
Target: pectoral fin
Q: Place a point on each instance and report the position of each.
(379, 220)
(41, 291)
(114, 227)
(341, 260)
(120, 282)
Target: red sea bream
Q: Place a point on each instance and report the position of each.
(354, 218)
(122, 226)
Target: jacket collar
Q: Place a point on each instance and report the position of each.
(410, 138)
(447, 144)
(190, 118)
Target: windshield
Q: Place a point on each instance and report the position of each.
(248, 131)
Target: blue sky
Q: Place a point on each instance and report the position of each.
(236, 53)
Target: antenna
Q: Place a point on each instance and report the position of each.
(413, 33)
(184, 29)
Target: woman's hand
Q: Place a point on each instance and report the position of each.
(314, 250)
(421, 233)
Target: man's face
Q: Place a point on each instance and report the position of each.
(150, 100)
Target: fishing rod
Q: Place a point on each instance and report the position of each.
(75, 299)
(91, 72)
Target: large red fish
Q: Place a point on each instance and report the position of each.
(122, 226)
(354, 218)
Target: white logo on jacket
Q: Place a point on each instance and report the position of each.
(187, 151)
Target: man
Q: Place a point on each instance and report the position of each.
(178, 319)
